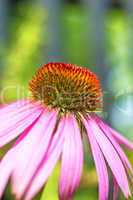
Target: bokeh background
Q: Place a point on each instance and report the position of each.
(97, 34)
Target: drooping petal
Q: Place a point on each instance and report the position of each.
(14, 116)
(32, 150)
(72, 161)
(121, 153)
(100, 165)
(120, 138)
(115, 189)
(14, 108)
(6, 167)
(111, 156)
(15, 121)
(48, 162)
(9, 108)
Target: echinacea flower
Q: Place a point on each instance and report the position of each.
(50, 124)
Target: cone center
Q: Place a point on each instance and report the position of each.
(67, 87)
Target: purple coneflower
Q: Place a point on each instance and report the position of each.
(51, 125)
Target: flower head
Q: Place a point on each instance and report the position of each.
(66, 87)
(50, 124)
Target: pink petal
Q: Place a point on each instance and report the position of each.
(48, 162)
(121, 153)
(72, 160)
(16, 113)
(13, 108)
(120, 138)
(100, 165)
(116, 189)
(15, 122)
(36, 143)
(10, 107)
(111, 156)
(6, 167)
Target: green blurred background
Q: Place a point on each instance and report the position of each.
(92, 33)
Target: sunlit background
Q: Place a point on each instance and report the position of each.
(97, 34)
